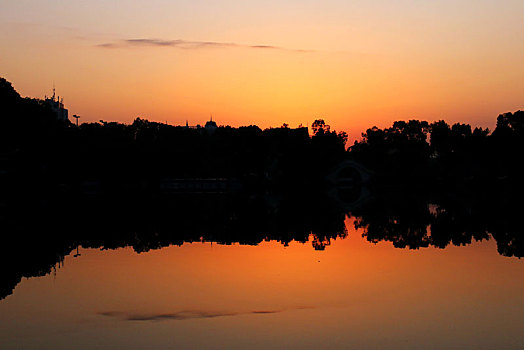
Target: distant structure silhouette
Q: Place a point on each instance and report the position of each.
(57, 106)
(211, 126)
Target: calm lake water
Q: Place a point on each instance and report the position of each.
(352, 295)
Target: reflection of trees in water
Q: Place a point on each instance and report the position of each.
(403, 223)
(37, 237)
(408, 220)
(38, 234)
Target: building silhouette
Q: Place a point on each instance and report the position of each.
(210, 126)
(57, 105)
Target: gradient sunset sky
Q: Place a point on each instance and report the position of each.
(354, 63)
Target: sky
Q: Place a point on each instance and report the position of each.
(355, 64)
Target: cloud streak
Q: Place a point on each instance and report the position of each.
(186, 315)
(189, 45)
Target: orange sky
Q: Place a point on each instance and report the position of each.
(355, 65)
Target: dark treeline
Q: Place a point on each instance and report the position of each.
(38, 150)
(36, 147)
(435, 154)
(149, 185)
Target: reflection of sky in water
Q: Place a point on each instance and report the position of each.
(352, 295)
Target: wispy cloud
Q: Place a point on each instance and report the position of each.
(186, 315)
(189, 45)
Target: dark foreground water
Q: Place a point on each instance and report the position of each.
(352, 295)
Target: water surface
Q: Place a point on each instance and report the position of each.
(353, 294)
